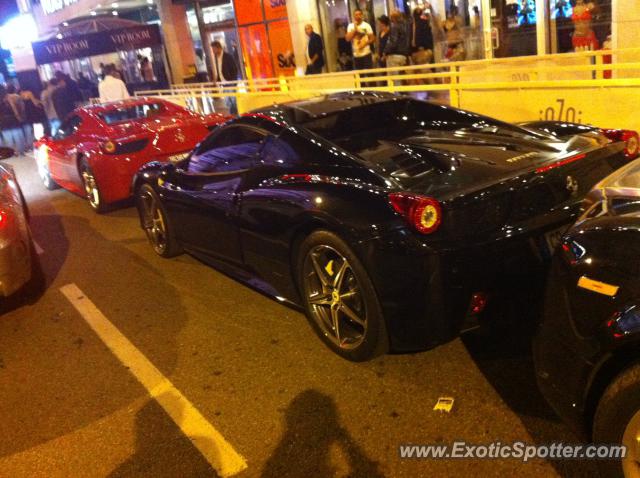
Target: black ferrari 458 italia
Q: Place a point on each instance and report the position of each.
(388, 219)
(587, 350)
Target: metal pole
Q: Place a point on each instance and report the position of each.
(541, 26)
(485, 9)
(203, 36)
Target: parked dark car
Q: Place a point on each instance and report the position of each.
(388, 219)
(587, 350)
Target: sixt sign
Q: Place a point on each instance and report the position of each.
(98, 43)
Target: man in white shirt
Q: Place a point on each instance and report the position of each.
(112, 88)
(360, 34)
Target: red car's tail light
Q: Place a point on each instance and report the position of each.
(127, 147)
(424, 214)
(4, 219)
(109, 147)
(631, 138)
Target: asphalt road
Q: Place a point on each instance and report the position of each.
(249, 365)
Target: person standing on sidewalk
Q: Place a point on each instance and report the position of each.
(49, 108)
(112, 88)
(10, 125)
(384, 25)
(360, 34)
(17, 105)
(315, 51)
(225, 71)
(34, 114)
(397, 46)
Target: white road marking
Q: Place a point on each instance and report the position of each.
(39, 250)
(216, 450)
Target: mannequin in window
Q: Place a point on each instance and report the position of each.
(453, 34)
(422, 35)
(475, 35)
(564, 25)
(584, 39)
(527, 13)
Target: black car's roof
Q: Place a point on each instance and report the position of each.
(296, 112)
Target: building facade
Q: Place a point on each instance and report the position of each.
(267, 39)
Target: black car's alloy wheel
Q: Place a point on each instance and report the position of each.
(155, 224)
(92, 192)
(332, 290)
(339, 297)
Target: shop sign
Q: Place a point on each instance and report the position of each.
(50, 6)
(282, 48)
(98, 43)
(275, 9)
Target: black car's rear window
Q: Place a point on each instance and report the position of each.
(129, 113)
(389, 117)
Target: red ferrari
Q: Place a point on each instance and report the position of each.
(98, 148)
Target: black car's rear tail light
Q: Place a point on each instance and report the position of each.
(297, 177)
(478, 303)
(110, 147)
(631, 138)
(562, 162)
(625, 323)
(423, 213)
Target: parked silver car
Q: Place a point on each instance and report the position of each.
(15, 238)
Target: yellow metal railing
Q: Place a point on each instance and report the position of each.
(590, 84)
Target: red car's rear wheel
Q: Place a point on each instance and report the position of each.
(92, 192)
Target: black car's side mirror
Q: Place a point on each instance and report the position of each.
(6, 152)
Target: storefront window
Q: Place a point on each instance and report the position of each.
(514, 24)
(265, 37)
(579, 25)
(334, 18)
(255, 47)
(136, 52)
(456, 26)
(219, 25)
